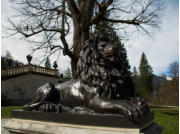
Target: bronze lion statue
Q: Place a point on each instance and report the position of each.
(97, 85)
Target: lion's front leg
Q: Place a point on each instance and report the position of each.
(130, 109)
(43, 107)
(126, 107)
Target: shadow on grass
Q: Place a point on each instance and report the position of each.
(170, 113)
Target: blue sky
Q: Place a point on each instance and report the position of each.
(175, 3)
(161, 50)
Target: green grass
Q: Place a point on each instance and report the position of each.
(168, 118)
(6, 111)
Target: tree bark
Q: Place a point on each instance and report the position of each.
(81, 28)
(81, 34)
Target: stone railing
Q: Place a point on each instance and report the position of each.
(27, 69)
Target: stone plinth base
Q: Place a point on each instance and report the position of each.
(20, 126)
(33, 122)
(98, 120)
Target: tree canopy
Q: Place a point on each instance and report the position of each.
(106, 29)
(8, 62)
(52, 20)
(174, 69)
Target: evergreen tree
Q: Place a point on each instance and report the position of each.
(135, 72)
(4, 63)
(48, 64)
(136, 81)
(9, 59)
(68, 73)
(8, 55)
(7, 63)
(106, 29)
(146, 77)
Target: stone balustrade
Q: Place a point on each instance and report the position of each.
(27, 69)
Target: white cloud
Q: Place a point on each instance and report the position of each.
(19, 49)
(160, 51)
(163, 48)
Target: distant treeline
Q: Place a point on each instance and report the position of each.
(7, 63)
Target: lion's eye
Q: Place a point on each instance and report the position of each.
(103, 45)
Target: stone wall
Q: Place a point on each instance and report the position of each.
(19, 90)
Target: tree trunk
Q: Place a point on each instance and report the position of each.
(81, 34)
(81, 16)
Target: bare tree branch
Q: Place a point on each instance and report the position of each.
(73, 8)
(102, 11)
(123, 21)
(52, 20)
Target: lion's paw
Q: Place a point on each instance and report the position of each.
(141, 104)
(132, 112)
(50, 107)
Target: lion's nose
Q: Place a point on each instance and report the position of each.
(112, 48)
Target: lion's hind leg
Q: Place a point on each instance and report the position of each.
(46, 99)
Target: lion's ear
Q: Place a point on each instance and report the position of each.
(52, 85)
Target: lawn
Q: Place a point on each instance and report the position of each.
(6, 111)
(168, 118)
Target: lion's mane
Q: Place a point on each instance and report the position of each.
(95, 71)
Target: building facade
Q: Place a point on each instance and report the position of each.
(19, 84)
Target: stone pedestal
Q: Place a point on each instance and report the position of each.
(24, 122)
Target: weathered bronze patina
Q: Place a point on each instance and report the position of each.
(96, 89)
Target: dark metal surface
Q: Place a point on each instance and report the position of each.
(98, 89)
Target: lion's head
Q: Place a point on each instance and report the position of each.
(99, 66)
